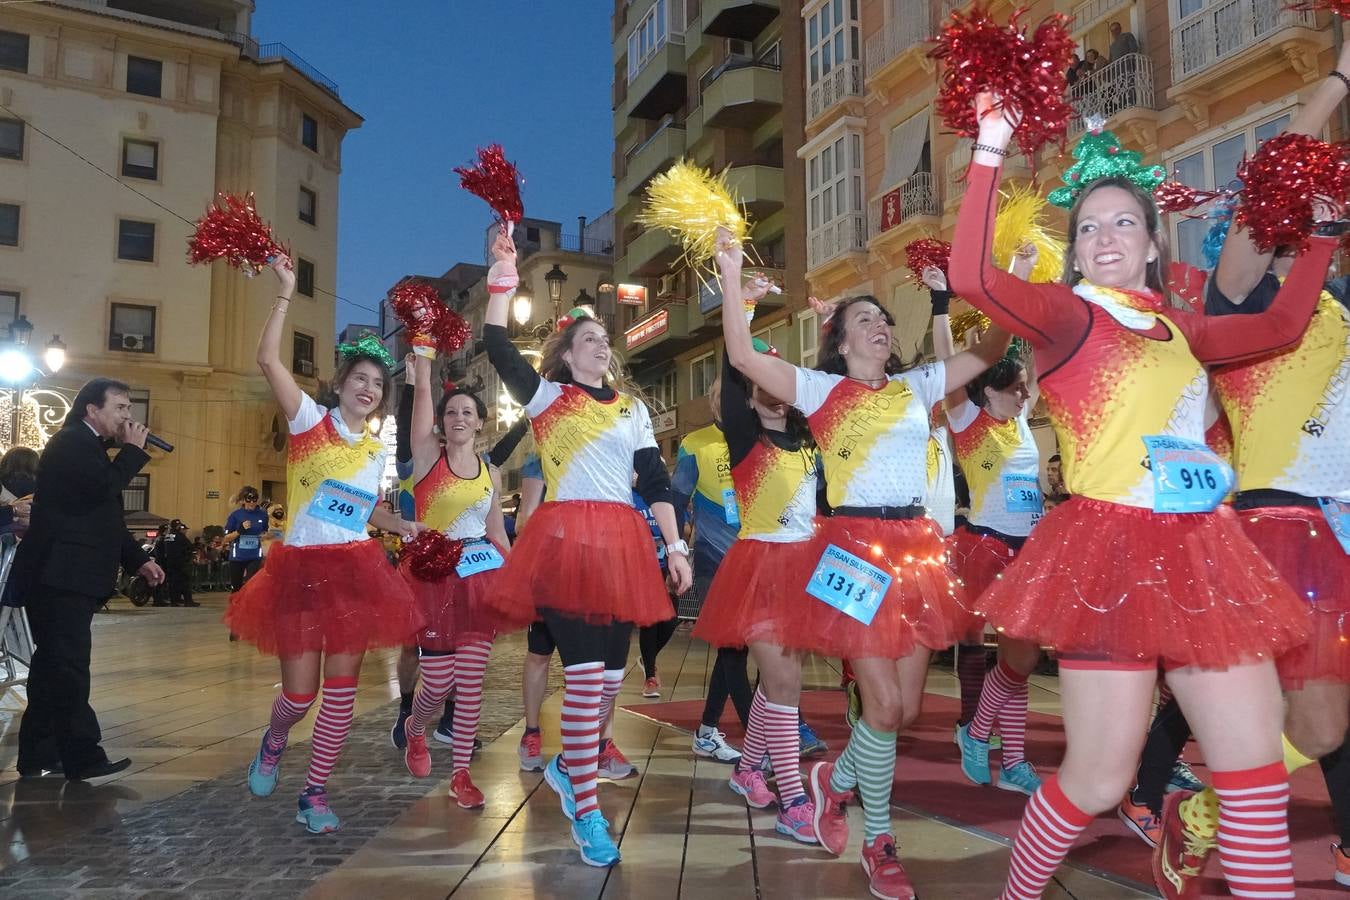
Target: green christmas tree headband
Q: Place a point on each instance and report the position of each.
(367, 346)
(1099, 155)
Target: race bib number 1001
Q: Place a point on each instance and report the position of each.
(478, 556)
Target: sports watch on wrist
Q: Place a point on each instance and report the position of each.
(680, 547)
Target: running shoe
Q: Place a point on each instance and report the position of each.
(531, 752)
(1342, 873)
(811, 744)
(712, 744)
(613, 764)
(562, 786)
(795, 820)
(831, 821)
(591, 835)
(854, 711)
(444, 733)
(314, 813)
(974, 756)
(1184, 779)
(995, 742)
(264, 770)
(651, 688)
(1020, 778)
(1179, 859)
(886, 878)
(398, 736)
(417, 757)
(1140, 820)
(466, 794)
(750, 784)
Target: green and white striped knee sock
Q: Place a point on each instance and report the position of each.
(868, 764)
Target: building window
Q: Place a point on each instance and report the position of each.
(132, 329)
(140, 405)
(9, 307)
(831, 38)
(663, 391)
(140, 159)
(135, 240)
(302, 354)
(651, 34)
(834, 200)
(14, 51)
(702, 374)
(9, 224)
(11, 139)
(1212, 167)
(136, 495)
(144, 76)
(907, 151)
(809, 335)
(304, 276)
(309, 132)
(309, 206)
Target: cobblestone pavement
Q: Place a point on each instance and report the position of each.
(215, 841)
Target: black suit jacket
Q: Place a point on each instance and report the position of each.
(78, 534)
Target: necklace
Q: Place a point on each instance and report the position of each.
(870, 382)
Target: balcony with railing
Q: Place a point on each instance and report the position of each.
(1236, 41)
(657, 80)
(900, 40)
(1110, 92)
(651, 156)
(741, 92)
(845, 235)
(892, 217)
(955, 165)
(844, 82)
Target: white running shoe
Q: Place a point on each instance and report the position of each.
(712, 744)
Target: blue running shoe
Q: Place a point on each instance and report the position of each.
(1183, 779)
(1020, 778)
(811, 744)
(263, 771)
(562, 786)
(974, 756)
(591, 835)
(314, 813)
(398, 736)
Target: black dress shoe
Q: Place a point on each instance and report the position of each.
(53, 769)
(107, 767)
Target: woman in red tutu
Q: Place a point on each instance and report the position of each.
(587, 555)
(326, 594)
(877, 590)
(1143, 567)
(455, 493)
(756, 593)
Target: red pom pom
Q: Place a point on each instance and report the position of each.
(427, 319)
(926, 252)
(496, 180)
(1175, 197)
(231, 230)
(1027, 73)
(431, 555)
(1281, 181)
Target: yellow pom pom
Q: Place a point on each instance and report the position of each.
(692, 203)
(1021, 221)
(970, 319)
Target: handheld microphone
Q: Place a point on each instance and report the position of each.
(156, 441)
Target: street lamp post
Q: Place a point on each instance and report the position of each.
(20, 371)
(556, 278)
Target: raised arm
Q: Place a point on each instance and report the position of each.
(521, 380)
(944, 346)
(967, 365)
(772, 374)
(278, 375)
(426, 446)
(502, 450)
(496, 523)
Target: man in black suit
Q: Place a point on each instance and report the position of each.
(66, 567)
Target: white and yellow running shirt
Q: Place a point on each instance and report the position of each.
(332, 478)
(586, 445)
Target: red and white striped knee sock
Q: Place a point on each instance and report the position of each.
(1050, 825)
(438, 678)
(999, 686)
(287, 709)
(583, 685)
(470, 666)
(756, 745)
(331, 728)
(609, 691)
(785, 747)
(1012, 726)
(1254, 831)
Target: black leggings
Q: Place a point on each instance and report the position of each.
(652, 639)
(241, 572)
(580, 642)
(1167, 737)
(1336, 770)
(730, 678)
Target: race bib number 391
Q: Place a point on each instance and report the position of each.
(850, 585)
(1187, 475)
(342, 505)
(1022, 494)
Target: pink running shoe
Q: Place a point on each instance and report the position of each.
(831, 822)
(796, 820)
(417, 757)
(750, 784)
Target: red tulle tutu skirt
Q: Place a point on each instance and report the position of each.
(922, 606)
(588, 559)
(756, 594)
(1121, 584)
(1299, 543)
(454, 609)
(335, 598)
(977, 559)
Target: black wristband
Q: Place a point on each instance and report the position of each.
(1341, 75)
(941, 300)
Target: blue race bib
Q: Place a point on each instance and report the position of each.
(1187, 475)
(478, 556)
(1338, 517)
(342, 505)
(730, 510)
(248, 542)
(1022, 494)
(850, 585)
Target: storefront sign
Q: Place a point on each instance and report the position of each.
(665, 421)
(632, 295)
(647, 329)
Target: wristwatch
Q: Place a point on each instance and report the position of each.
(680, 547)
